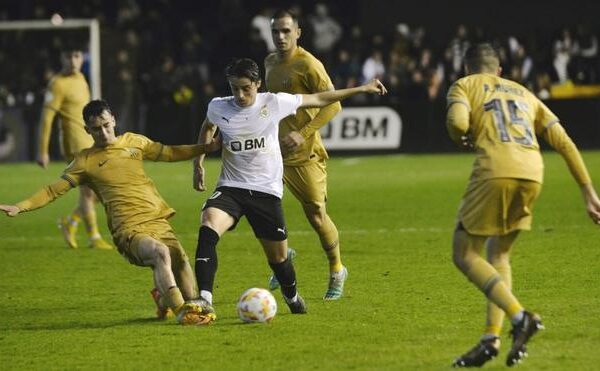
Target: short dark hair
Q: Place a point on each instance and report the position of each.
(94, 109)
(482, 57)
(282, 13)
(243, 67)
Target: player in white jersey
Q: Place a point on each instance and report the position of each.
(251, 182)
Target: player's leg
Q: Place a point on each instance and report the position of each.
(87, 210)
(265, 215)
(309, 185)
(283, 268)
(220, 213)
(498, 255)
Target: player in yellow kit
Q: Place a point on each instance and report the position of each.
(500, 120)
(66, 95)
(291, 69)
(137, 214)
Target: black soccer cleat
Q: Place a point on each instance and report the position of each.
(297, 307)
(481, 353)
(521, 333)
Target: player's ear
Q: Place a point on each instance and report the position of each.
(258, 84)
(299, 32)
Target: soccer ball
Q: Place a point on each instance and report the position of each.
(257, 305)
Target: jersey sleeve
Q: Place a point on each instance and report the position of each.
(457, 94)
(288, 103)
(211, 113)
(75, 171)
(45, 195)
(151, 150)
(544, 117)
(317, 79)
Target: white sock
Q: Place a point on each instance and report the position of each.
(206, 295)
(291, 300)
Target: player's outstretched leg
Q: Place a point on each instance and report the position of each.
(484, 351)
(521, 334)
(273, 282)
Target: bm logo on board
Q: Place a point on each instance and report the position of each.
(251, 144)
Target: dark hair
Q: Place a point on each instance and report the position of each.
(243, 67)
(282, 13)
(95, 109)
(482, 57)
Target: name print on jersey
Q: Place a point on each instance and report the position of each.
(250, 144)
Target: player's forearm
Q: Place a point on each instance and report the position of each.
(325, 98)
(457, 122)
(45, 195)
(324, 115)
(45, 128)
(562, 143)
(181, 152)
(207, 131)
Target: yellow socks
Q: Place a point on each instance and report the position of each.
(91, 226)
(495, 315)
(174, 299)
(329, 237)
(489, 281)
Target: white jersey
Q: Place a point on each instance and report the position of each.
(250, 152)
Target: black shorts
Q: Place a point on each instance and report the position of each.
(263, 210)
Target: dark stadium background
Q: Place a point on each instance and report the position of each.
(162, 61)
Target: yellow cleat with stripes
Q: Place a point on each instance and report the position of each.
(69, 231)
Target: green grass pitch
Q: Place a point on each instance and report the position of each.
(406, 306)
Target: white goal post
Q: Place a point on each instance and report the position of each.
(93, 27)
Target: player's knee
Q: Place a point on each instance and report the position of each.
(316, 216)
(161, 256)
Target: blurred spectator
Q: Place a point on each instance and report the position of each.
(373, 66)
(563, 50)
(327, 32)
(262, 22)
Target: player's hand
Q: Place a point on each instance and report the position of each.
(10, 210)
(592, 203)
(375, 87)
(43, 159)
(198, 181)
(292, 141)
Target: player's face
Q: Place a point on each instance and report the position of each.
(72, 61)
(102, 129)
(285, 34)
(243, 90)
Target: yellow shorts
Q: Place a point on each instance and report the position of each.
(128, 241)
(308, 184)
(496, 207)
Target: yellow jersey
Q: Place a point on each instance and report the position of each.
(504, 119)
(301, 74)
(66, 96)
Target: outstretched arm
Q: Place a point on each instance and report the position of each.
(556, 136)
(39, 199)
(207, 132)
(187, 151)
(327, 97)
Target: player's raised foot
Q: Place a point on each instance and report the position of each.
(521, 334)
(100, 244)
(485, 350)
(297, 306)
(273, 283)
(336, 285)
(162, 310)
(192, 314)
(69, 231)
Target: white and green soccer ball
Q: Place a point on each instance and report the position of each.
(257, 305)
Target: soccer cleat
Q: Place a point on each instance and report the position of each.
(162, 311)
(479, 354)
(100, 244)
(298, 306)
(193, 314)
(336, 285)
(207, 308)
(521, 333)
(273, 282)
(69, 231)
